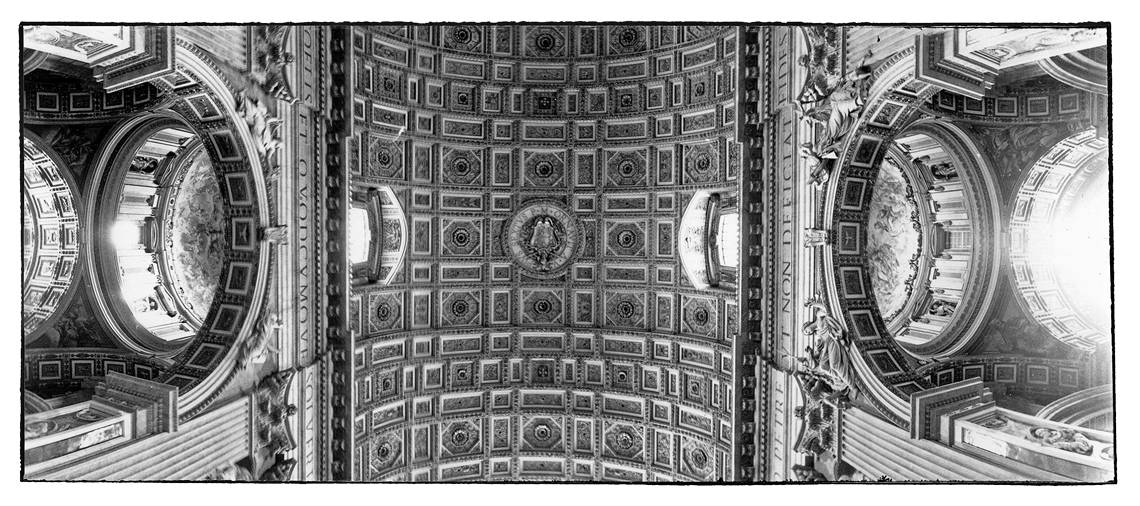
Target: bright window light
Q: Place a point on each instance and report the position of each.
(1074, 245)
(359, 235)
(125, 234)
(728, 239)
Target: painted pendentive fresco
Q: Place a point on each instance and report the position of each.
(892, 239)
(78, 327)
(1011, 332)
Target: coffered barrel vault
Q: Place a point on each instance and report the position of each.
(566, 252)
(541, 325)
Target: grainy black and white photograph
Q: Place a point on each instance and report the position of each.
(637, 252)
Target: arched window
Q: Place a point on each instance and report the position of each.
(377, 236)
(728, 240)
(359, 236)
(709, 240)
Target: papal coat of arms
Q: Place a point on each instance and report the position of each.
(543, 238)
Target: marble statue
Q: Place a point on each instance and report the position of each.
(817, 431)
(274, 435)
(821, 161)
(281, 470)
(817, 387)
(275, 384)
(273, 412)
(270, 60)
(260, 344)
(829, 100)
(827, 364)
(268, 347)
(837, 111)
(144, 165)
(1063, 439)
(259, 120)
(261, 88)
(943, 308)
(941, 170)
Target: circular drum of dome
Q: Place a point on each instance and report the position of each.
(946, 190)
(173, 240)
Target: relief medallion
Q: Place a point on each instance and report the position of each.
(543, 238)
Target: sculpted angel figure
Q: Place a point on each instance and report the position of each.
(838, 111)
(262, 86)
(265, 81)
(827, 363)
(261, 343)
(271, 59)
(821, 62)
(272, 388)
(274, 435)
(817, 388)
(268, 345)
(943, 307)
(827, 97)
(260, 122)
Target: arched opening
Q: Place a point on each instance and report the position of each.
(709, 240)
(50, 236)
(728, 240)
(1059, 241)
(161, 235)
(377, 235)
(938, 219)
(170, 275)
